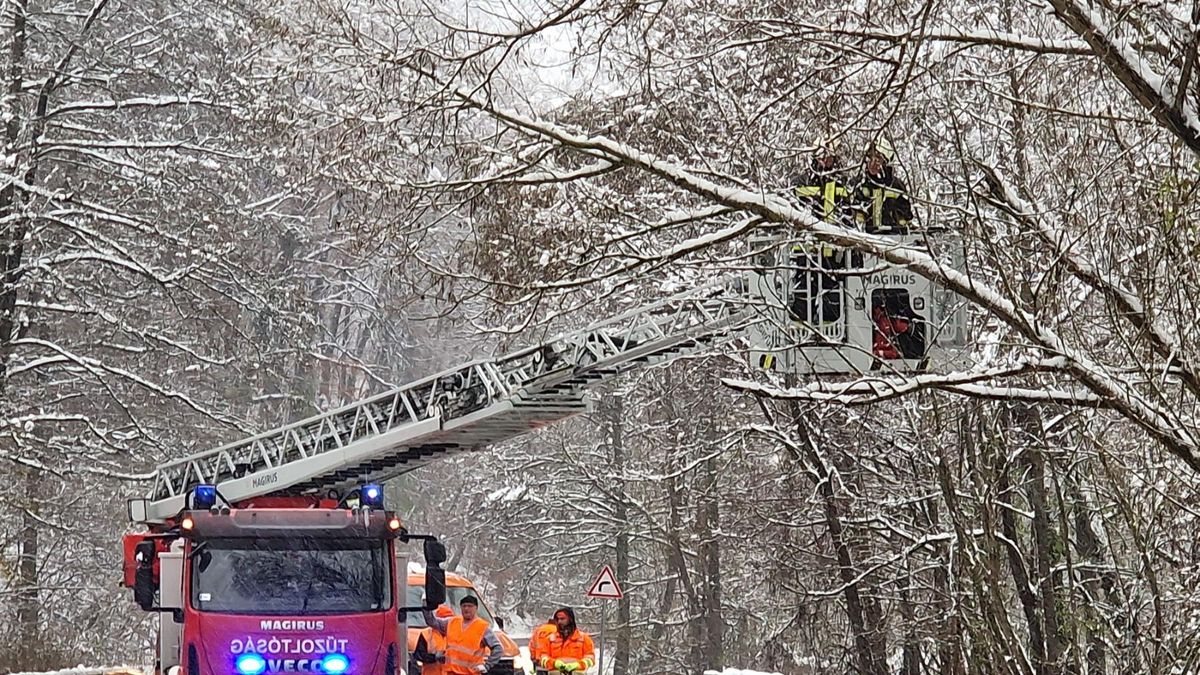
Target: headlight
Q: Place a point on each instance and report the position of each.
(251, 664)
(335, 664)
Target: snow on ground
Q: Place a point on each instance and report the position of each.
(84, 670)
(735, 671)
(124, 670)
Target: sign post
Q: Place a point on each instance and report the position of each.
(605, 586)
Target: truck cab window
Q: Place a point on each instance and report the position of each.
(292, 576)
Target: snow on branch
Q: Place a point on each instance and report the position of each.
(1007, 198)
(51, 145)
(867, 392)
(128, 103)
(1150, 89)
(529, 174)
(32, 421)
(117, 475)
(1159, 422)
(983, 38)
(592, 170)
(113, 260)
(161, 337)
(103, 371)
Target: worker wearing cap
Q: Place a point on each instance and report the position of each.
(538, 642)
(881, 202)
(430, 652)
(568, 649)
(472, 647)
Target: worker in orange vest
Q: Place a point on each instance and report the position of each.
(430, 652)
(538, 642)
(472, 647)
(568, 649)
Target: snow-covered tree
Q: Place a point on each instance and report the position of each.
(599, 149)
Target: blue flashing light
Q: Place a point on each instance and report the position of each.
(335, 664)
(251, 664)
(372, 496)
(204, 497)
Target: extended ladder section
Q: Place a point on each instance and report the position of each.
(477, 404)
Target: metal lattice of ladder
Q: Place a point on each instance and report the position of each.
(480, 403)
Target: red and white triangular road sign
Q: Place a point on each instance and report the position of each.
(605, 585)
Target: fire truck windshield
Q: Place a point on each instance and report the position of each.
(293, 577)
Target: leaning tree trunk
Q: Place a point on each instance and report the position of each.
(863, 612)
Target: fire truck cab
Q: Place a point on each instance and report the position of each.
(280, 584)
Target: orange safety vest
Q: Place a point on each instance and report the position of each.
(464, 646)
(578, 648)
(435, 643)
(539, 641)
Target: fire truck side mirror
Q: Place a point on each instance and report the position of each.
(435, 587)
(435, 552)
(143, 579)
(435, 576)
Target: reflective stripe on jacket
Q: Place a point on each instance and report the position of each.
(823, 196)
(881, 204)
(577, 647)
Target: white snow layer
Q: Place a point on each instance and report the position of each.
(85, 670)
(736, 671)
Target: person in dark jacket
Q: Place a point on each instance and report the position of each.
(880, 201)
(816, 298)
(824, 187)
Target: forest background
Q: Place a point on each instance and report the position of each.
(220, 217)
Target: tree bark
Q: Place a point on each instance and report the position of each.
(911, 662)
(12, 233)
(29, 610)
(12, 250)
(1044, 540)
(950, 658)
(1018, 568)
(614, 410)
(709, 525)
(1093, 573)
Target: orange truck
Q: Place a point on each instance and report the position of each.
(458, 587)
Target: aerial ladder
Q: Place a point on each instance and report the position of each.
(477, 404)
(491, 400)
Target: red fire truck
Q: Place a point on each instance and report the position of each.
(274, 553)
